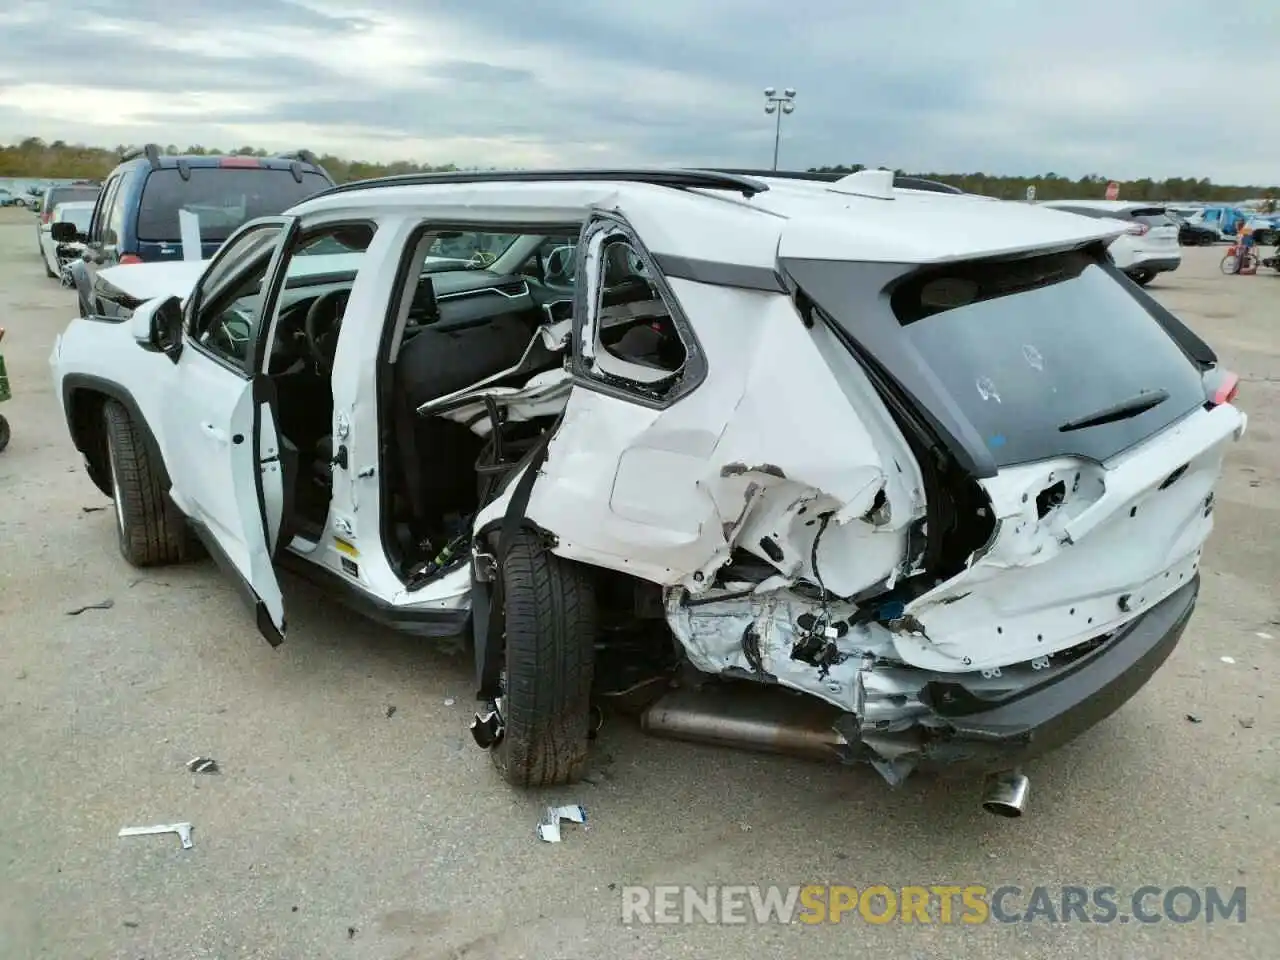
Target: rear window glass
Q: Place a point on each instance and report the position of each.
(1027, 346)
(79, 216)
(59, 195)
(222, 197)
(1152, 217)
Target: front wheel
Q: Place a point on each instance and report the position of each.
(549, 609)
(1143, 277)
(151, 530)
(1230, 264)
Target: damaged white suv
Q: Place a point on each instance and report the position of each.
(910, 478)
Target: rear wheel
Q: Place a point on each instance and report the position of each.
(151, 531)
(549, 608)
(1230, 264)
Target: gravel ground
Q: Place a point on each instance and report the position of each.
(336, 830)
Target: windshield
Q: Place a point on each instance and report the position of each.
(472, 250)
(80, 216)
(999, 354)
(222, 197)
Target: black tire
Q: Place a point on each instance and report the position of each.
(47, 271)
(550, 624)
(4, 433)
(1142, 277)
(152, 532)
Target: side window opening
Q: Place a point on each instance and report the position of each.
(636, 341)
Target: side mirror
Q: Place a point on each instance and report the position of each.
(63, 231)
(157, 326)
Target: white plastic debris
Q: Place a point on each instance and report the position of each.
(1228, 659)
(549, 825)
(1265, 636)
(449, 701)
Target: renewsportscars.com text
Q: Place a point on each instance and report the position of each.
(933, 904)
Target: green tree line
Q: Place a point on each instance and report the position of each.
(1051, 186)
(35, 159)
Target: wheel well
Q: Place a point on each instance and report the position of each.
(84, 416)
(84, 403)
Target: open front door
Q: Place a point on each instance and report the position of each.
(225, 460)
(258, 476)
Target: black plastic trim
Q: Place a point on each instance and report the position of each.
(680, 179)
(1040, 718)
(261, 618)
(720, 274)
(434, 624)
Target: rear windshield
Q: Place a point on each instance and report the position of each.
(1025, 347)
(222, 197)
(59, 195)
(80, 216)
(1152, 217)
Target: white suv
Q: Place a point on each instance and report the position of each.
(907, 484)
(1149, 244)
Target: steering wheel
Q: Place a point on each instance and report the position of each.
(481, 259)
(321, 328)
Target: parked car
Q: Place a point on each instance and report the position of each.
(57, 255)
(10, 199)
(136, 219)
(1193, 233)
(895, 481)
(78, 192)
(1148, 246)
(1225, 219)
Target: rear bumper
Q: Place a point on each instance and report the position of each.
(1154, 265)
(1042, 717)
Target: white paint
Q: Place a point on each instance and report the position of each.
(189, 229)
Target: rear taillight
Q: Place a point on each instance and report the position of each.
(1221, 386)
(129, 258)
(1138, 229)
(46, 216)
(239, 162)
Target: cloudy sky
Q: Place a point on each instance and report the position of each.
(1004, 86)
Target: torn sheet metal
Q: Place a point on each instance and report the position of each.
(748, 460)
(549, 825)
(183, 830)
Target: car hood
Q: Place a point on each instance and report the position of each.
(145, 281)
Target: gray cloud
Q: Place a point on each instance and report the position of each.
(1002, 86)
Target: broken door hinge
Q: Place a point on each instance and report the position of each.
(342, 526)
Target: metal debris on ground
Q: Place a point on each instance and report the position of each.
(92, 509)
(1265, 636)
(549, 825)
(1246, 722)
(203, 765)
(1227, 659)
(100, 605)
(391, 712)
(449, 701)
(183, 830)
(1193, 718)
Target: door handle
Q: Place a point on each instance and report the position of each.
(216, 434)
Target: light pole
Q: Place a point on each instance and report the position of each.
(778, 105)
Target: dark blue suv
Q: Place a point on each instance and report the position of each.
(136, 216)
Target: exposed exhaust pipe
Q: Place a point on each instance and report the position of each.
(760, 719)
(1005, 794)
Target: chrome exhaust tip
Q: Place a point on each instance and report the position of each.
(1005, 794)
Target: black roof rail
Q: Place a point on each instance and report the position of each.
(150, 151)
(303, 156)
(679, 179)
(899, 180)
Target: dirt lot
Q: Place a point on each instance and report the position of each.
(341, 828)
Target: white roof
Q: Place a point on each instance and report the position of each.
(794, 218)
